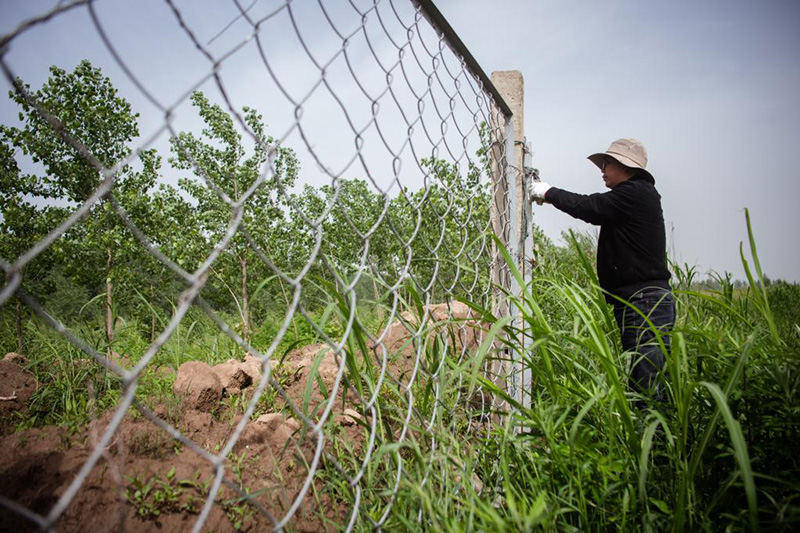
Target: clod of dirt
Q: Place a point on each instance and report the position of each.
(252, 367)
(467, 334)
(271, 429)
(199, 385)
(270, 420)
(14, 357)
(232, 376)
(349, 417)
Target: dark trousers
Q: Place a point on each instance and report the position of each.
(648, 373)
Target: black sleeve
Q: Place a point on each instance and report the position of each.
(598, 208)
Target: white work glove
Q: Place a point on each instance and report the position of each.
(537, 190)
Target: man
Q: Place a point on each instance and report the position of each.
(631, 255)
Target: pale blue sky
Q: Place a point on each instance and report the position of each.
(709, 86)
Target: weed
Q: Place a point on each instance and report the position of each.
(153, 496)
(150, 442)
(238, 511)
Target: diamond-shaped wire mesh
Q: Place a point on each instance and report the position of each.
(297, 195)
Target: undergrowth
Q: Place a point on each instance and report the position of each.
(723, 455)
(457, 451)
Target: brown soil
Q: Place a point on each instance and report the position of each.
(39, 464)
(16, 388)
(269, 459)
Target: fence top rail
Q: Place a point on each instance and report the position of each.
(440, 24)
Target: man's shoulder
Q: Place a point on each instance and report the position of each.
(636, 186)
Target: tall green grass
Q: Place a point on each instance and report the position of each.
(723, 455)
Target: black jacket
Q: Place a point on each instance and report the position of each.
(632, 249)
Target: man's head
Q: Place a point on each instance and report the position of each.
(624, 158)
(615, 172)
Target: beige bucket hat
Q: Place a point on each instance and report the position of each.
(628, 151)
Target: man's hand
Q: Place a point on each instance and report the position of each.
(537, 190)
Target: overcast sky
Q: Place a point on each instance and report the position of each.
(710, 87)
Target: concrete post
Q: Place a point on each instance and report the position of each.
(510, 86)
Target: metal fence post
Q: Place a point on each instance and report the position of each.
(519, 244)
(502, 149)
(528, 259)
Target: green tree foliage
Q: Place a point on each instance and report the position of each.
(220, 156)
(74, 123)
(23, 222)
(84, 107)
(443, 229)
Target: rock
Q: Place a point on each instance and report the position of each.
(252, 367)
(199, 385)
(458, 311)
(271, 429)
(232, 376)
(349, 417)
(468, 332)
(15, 358)
(477, 484)
(440, 312)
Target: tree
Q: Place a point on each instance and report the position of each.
(23, 222)
(219, 155)
(357, 215)
(443, 226)
(89, 112)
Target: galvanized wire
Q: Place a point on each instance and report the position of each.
(443, 106)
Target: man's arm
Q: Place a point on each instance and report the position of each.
(598, 208)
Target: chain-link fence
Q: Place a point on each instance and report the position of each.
(255, 241)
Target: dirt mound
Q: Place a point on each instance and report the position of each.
(199, 385)
(466, 332)
(148, 481)
(16, 388)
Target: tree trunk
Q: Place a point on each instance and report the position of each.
(378, 304)
(152, 312)
(286, 299)
(109, 303)
(19, 326)
(245, 302)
